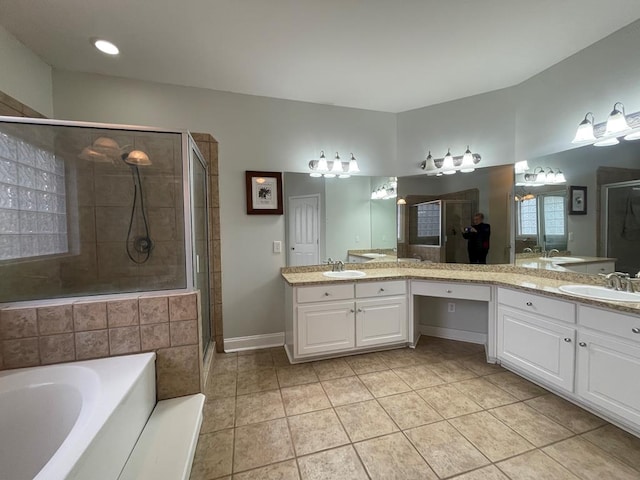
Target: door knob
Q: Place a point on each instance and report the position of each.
(582, 344)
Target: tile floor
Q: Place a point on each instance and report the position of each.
(439, 411)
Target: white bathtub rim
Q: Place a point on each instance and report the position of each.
(113, 389)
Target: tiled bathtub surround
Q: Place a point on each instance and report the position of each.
(81, 329)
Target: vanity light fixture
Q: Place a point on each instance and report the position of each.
(521, 166)
(608, 133)
(387, 190)
(539, 177)
(105, 46)
(333, 168)
(401, 201)
(450, 164)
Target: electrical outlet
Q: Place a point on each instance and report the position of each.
(277, 246)
(451, 307)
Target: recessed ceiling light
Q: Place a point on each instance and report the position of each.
(105, 46)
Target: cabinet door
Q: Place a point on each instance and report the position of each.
(326, 327)
(608, 375)
(381, 321)
(538, 346)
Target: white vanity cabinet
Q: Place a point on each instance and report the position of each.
(593, 268)
(536, 335)
(346, 317)
(608, 358)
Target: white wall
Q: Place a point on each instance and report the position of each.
(255, 133)
(24, 76)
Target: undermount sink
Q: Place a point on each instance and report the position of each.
(561, 259)
(345, 274)
(600, 293)
(374, 255)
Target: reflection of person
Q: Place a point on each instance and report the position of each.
(477, 237)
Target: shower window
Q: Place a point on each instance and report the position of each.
(87, 210)
(33, 213)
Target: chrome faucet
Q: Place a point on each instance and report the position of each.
(619, 281)
(527, 250)
(551, 252)
(338, 266)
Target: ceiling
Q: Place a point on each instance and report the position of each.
(385, 55)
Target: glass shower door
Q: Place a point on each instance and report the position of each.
(200, 232)
(621, 226)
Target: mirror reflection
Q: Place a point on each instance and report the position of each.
(349, 219)
(437, 223)
(591, 223)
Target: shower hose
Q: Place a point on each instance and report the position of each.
(140, 244)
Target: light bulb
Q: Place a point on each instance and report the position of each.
(560, 177)
(322, 163)
(105, 46)
(353, 165)
(467, 162)
(337, 164)
(616, 123)
(447, 164)
(584, 133)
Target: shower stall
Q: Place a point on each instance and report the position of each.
(93, 209)
(620, 227)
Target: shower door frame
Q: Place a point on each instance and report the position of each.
(604, 211)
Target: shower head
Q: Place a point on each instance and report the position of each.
(90, 155)
(136, 158)
(102, 150)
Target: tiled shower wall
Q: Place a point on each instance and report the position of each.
(83, 329)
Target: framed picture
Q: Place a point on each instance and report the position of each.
(577, 200)
(264, 193)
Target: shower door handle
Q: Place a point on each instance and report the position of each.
(197, 263)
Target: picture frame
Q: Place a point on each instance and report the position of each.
(577, 200)
(264, 193)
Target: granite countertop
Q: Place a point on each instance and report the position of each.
(534, 261)
(540, 281)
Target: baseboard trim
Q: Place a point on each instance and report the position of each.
(254, 342)
(453, 334)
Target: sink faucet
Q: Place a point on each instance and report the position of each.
(551, 252)
(338, 266)
(616, 280)
(527, 250)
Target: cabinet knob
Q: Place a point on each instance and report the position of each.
(635, 330)
(449, 291)
(529, 304)
(567, 339)
(326, 294)
(352, 310)
(360, 310)
(582, 344)
(381, 290)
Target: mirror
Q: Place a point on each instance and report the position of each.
(598, 222)
(431, 226)
(337, 218)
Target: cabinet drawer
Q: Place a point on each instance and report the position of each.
(609, 322)
(323, 293)
(556, 309)
(451, 290)
(381, 289)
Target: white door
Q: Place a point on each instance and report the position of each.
(325, 327)
(381, 321)
(542, 348)
(608, 375)
(304, 230)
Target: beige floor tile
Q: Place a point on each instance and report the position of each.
(448, 401)
(214, 455)
(452, 371)
(485, 394)
(393, 457)
(418, 376)
(617, 442)
(334, 368)
(258, 407)
(220, 386)
(365, 420)
(478, 365)
(517, 386)
(280, 358)
(367, 363)
(401, 357)
(535, 466)
(492, 437)
(485, 473)
(315, 431)
(531, 424)
(337, 464)
(296, 375)
(243, 353)
(445, 449)
(218, 414)
(346, 390)
(224, 365)
(304, 398)
(565, 413)
(382, 384)
(260, 444)
(279, 471)
(261, 359)
(259, 380)
(409, 410)
(589, 462)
